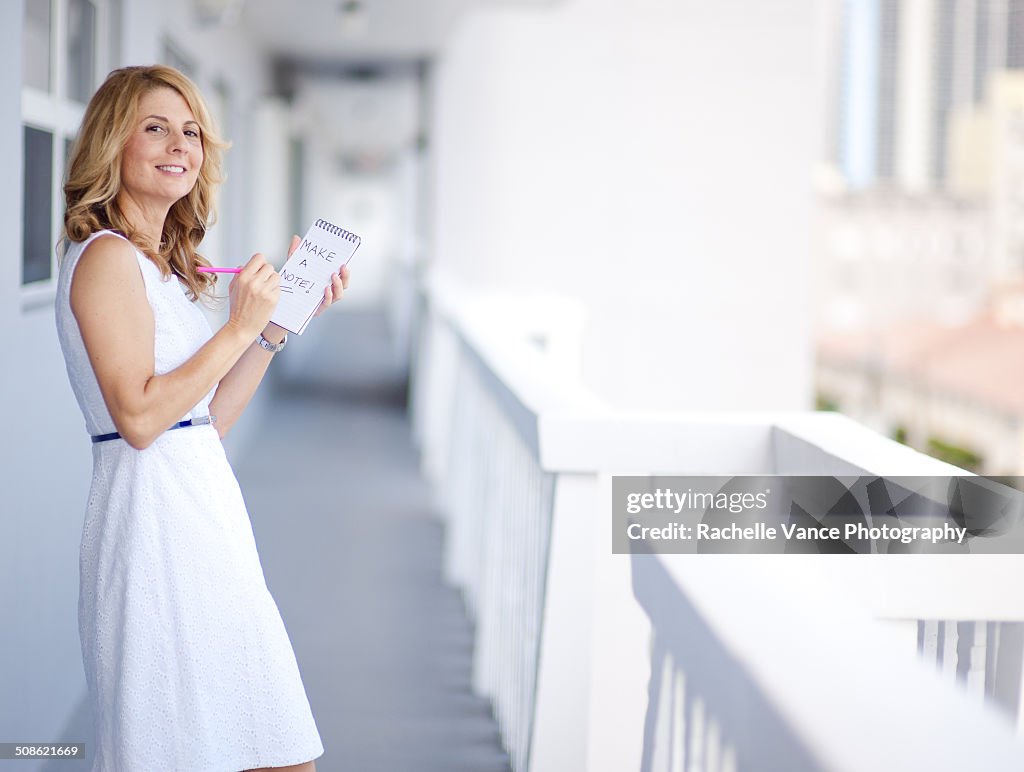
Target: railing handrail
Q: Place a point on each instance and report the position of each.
(571, 429)
(835, 709)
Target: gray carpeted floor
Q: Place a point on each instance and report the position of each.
(352, 555)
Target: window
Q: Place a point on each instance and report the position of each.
(37, 204)
(36, 42)
(66, 46)
(81, 49)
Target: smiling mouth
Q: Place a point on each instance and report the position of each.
(172, 169)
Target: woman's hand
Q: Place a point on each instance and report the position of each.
(254, 294)
(334, 290)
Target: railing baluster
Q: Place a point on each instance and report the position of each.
(950, 642)
(729, 760)
(714, 746)
(662, 757)
(930, 641)
(976, 667)
(679, 722)
(695, 752)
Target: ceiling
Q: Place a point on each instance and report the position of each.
(336, 32)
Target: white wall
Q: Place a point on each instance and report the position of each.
(44, 472)
(45, 458)
(654, 160)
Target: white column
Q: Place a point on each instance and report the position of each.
(861, 36)
(963, 52)
(915, 95)
(560, 728)
(621, 656)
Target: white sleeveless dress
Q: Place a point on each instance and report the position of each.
(188, 663)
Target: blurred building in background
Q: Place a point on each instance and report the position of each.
(920, 239)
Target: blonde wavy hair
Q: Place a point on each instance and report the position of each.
(94, 174)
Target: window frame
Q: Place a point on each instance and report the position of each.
(54, 112)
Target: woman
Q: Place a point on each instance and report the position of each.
(188, 664)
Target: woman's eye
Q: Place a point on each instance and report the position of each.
(191, 133)
(155, 127)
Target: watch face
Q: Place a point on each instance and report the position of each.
(272, 347)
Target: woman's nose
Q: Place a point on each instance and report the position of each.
(178, 141)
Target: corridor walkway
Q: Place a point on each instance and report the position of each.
(352, 554)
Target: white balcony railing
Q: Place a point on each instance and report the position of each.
(596, 661)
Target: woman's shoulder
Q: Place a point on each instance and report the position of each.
(107, 254)
(100, 267)
(74, 250)
(96, 237)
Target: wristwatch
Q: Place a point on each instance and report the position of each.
(273, 348)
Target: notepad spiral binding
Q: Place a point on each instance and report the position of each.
(331, 228)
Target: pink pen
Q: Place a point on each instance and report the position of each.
(214, 269)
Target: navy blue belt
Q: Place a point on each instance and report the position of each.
(206, 419)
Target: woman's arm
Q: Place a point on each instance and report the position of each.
(239, 385)
(108, 298)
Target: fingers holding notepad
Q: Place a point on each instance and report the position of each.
(334, 291)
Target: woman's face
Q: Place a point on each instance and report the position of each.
(164, 153)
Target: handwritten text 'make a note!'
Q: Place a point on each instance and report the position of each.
(309, 250)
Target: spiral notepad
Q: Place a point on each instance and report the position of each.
(322, 252)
